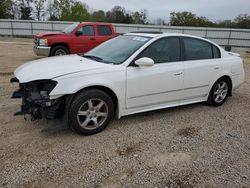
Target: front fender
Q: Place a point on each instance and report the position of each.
(115, 81)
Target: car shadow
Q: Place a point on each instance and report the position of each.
(56, 127)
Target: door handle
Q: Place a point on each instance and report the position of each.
(178, 73)
(216, 68)
(92, 39)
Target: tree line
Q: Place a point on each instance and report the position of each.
(75, 10)
(67, 10)
(190, 19)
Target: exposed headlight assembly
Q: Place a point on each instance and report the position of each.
(36, 100)
(41, 86)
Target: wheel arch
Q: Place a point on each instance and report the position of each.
(228, 78)
(107, 90)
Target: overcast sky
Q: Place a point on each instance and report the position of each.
(215, 10)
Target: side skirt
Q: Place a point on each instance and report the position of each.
(126, 112)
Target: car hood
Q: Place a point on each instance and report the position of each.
(52, 67)
(45, 34)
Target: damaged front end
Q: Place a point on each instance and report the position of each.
(36, 100)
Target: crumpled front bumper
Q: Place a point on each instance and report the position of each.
(41, 50)
(35, 104)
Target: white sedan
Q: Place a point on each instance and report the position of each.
(133, 73)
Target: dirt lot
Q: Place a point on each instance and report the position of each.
(190, 146)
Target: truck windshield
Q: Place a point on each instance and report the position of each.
(70, 28)
(117, 50)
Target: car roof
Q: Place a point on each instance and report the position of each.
(162, 34)
(96, 23)
(142, 34)
(157, 34)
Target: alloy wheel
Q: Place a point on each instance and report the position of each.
(220, 92)
(92, 114)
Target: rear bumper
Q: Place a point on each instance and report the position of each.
(237, 80)
(41, 50)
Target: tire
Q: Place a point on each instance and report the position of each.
(59, 50)
(219, 92)
(228, 48)
(91, 111)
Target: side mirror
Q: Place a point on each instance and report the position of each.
(145, 62)
(78, 33)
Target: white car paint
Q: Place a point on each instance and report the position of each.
(138, 89)
(49, 68)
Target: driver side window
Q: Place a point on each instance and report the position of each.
(163, 50)
(87, 30)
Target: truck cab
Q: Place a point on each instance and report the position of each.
(75, 39)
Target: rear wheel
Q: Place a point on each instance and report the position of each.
(59, 50)
(219, 92)
(91, 111)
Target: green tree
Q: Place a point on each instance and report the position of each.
(188, 19)
(203, 22)
(25, 9)
(5, 9)
(65, 9)
(242, 21)
(127, 19)
(74, 11)
(118, 14)
(182, 18)
(26, 13)
(99, 16)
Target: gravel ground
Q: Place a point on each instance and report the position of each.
(189, 146)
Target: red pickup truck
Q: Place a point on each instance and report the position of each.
(77, 38)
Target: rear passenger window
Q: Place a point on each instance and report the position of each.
(216, 52)
(163, 50)
(104, 30)
(196, 49)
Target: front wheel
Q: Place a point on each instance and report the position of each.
(219, 92)
(59, 50)
(91, 111)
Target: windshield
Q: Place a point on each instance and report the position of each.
(70, 28)
(117, 50)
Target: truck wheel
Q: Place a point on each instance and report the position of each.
(59, 50)
(91, 111)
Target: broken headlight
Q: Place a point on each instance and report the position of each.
(41, 87)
